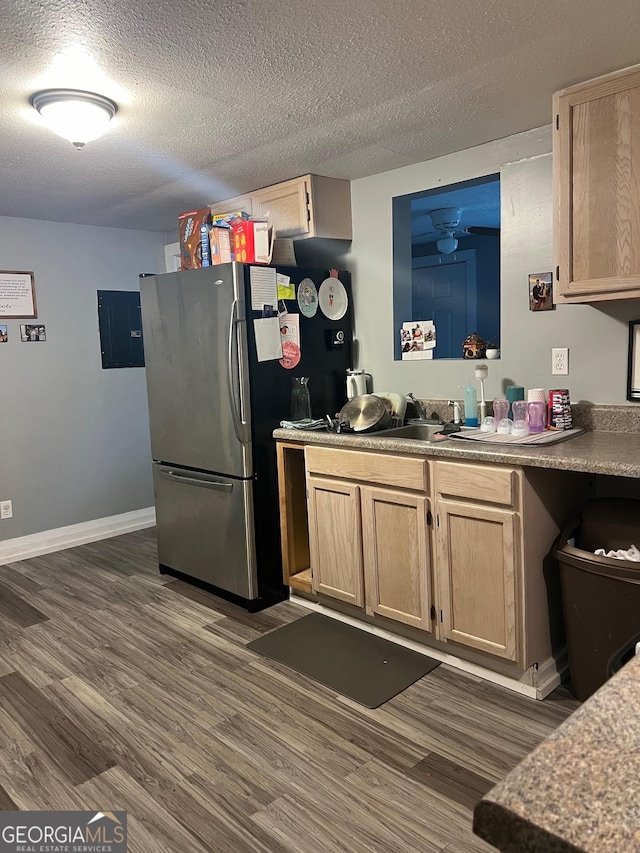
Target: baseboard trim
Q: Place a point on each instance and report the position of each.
(48, 541)
(537, 691)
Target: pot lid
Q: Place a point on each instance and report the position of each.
(363, 412)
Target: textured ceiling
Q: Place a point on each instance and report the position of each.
(217, 98)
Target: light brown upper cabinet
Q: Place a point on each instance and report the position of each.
(309, 206)
(596, 176)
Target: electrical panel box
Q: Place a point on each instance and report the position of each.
(120, 324)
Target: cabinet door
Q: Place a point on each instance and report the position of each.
(288, 207)
(596, 168)
(335, 539)
(476, 570)
(396, 555)
(229, 205)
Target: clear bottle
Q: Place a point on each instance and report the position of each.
(300, 402)
(470, 406)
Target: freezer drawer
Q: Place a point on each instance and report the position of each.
(205, 528)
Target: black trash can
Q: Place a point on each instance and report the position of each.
(600, 595)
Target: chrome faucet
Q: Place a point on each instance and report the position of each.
(420, 410)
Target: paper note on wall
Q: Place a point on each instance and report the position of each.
(263, 286)
(268, 338)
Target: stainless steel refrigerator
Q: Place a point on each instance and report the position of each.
(212, 409)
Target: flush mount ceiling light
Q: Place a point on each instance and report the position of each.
(73, 114)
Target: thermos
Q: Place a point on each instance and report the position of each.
(356, 383)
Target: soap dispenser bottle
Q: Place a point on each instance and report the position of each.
(470, 406)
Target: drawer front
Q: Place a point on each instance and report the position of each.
(490, 483)
(383, 469)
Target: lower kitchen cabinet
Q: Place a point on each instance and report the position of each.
(480, 583)
(368, 533)
(335, 539)
(477, 558)
(395, 539)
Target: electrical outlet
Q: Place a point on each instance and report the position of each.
(560, 361)
(6, 509)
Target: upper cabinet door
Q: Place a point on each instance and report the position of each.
(287, 206)
(596, 174)
(230, 205)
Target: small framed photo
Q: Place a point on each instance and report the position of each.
(32, 333)
(633, 371)
(541, 291)
(4, 334)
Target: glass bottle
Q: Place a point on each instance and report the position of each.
(300, 402)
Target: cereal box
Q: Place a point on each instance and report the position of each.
(189, 225)
(220, 244)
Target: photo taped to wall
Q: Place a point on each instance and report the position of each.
(30, 332)
(541, 291)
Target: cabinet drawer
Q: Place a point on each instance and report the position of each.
(489, 483)
(382, 469)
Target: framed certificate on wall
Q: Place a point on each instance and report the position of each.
(17, 294)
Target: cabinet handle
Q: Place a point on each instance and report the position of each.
(429, 518)
(558, 273)
(557, 121)
(433, 613)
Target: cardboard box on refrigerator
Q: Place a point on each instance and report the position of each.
(252, 242)
(220, 245)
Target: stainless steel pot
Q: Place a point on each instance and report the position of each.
(366, 413)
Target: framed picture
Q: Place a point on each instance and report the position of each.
(4, 334)
(32, 333)
(633, 372)
(17, 294)
(541, 291)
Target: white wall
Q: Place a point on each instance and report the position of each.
(74, 439)
(596, 337)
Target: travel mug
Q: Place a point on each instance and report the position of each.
(560, 409)
(513, 393)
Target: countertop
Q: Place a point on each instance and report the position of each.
(578, 790)
(613, 453)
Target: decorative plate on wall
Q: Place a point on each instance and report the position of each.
(333, 298)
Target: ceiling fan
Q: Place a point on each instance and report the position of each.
(446, 221)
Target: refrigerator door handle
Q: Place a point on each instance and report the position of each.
(218, 485)
(239, 426)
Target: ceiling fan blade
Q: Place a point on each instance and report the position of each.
(482, 230)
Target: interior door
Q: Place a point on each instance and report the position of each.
(440, 294)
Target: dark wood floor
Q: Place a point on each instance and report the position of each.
(124, 689)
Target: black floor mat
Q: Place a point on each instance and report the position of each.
(366, 668)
